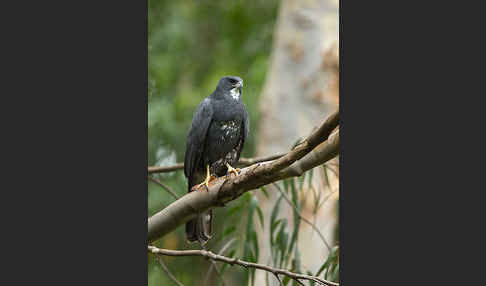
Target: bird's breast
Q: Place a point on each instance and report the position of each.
(226, 132)
(229, 127)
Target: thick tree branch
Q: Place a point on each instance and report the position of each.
(224, 189)
(232, 261)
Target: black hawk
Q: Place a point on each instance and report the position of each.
(218, 132)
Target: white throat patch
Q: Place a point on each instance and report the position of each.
(235, 93)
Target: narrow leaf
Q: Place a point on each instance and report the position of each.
(260, 215)
(229, 230)
(264, 192)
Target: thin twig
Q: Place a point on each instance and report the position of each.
(220, 252)
(165, 169)
(298, 281)
(246, 264)
(243, 162)
(217, 272)
(320, 204)
(172, 277)
(326, 198)
(278, 278)
(301, 217)
(164, 186)
(250, 161)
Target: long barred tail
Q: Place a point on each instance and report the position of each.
(200, 228)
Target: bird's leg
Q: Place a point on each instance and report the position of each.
(233, 170)
(208, 179)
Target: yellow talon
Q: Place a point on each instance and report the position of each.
(208, 179)
(233, 170)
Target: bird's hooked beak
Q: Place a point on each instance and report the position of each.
(239, 85)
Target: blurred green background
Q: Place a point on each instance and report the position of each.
(192, 44)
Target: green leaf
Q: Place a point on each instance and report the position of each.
(247, 197)
(274, 226)
(296, 261)
(251, 209)
(335, 274)
(286, 280)
(285, 185)
(281, 240)
(246, 250)
(333, 270)
(229, 230)
(333, 255)
(323, 266)
(302, 180)
(295, 197)
(285, 239)
(264, 192)
(305, 195)
(273, 218)
(254, 240)
(260, 215)
(225, 265)
(312, 283)
(251, 271)
(296, 217)
(267, 282)
(316, 200)
(295, 232)
(235, 209)
(326, 176)
(311, 172)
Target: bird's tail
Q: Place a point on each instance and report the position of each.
(200, 229)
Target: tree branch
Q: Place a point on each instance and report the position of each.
(243, 162)
(165, 169)
(221, 251)
(232, 261)
(303, 157)
(164, 187)
(167, 271)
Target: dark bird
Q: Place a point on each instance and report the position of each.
(218, 132)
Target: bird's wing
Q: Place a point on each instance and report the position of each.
(246, 124)
(197, 136)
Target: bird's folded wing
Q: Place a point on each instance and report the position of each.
(197, 136)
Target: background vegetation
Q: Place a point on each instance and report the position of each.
(191, 45)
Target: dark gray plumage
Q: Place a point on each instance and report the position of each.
(218, 132)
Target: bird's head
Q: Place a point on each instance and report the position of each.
(231, 85)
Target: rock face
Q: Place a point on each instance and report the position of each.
(300, 90)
